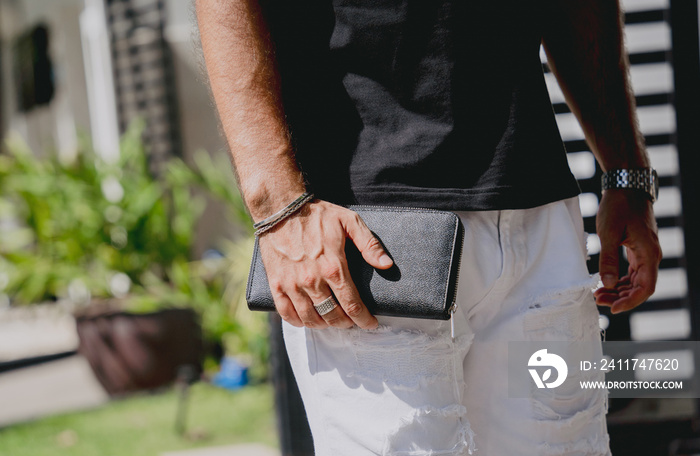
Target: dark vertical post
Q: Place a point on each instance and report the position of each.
(686, 63)
(292, 425)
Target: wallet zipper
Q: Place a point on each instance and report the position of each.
(401, 208)
(453, 307)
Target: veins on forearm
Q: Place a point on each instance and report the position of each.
(246, 88)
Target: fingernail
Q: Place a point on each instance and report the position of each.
(609, 280)
(384, 260)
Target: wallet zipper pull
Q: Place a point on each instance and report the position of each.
(453, 309)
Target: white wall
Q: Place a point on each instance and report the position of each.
(198, 120)
(56, 124)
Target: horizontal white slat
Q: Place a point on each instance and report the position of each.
(646, 79)
(555, 93)
(669, 202)
(569, 127)
(588, 202)
(647, 37)
(582, 164)
(664, 159)
(672, 242)
(660, 324)
(593, 244)
(631, 6)
(672, 283)
(652, 78)
(659, 119)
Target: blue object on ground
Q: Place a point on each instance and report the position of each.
(233, 375)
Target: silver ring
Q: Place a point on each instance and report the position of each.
(326, 305)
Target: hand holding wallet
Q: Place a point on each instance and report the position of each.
(426, 247)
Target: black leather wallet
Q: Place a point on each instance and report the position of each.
(426, 247)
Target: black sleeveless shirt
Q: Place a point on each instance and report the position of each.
(423, 103)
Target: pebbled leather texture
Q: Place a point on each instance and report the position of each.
(425, 245)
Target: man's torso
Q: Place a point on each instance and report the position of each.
(420, 103)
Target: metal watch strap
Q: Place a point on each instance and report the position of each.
(645, 179)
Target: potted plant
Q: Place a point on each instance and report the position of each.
(115, 243)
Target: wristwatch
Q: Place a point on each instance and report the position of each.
(644, 179)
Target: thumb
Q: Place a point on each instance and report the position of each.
(609, 262)
(367, 244)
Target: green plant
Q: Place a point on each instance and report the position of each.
(89, 230)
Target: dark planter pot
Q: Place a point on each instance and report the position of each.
(130, 352)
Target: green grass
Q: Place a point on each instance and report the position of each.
(144, 425)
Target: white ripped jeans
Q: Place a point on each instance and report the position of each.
(406, 389)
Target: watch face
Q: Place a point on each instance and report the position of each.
(655, 184)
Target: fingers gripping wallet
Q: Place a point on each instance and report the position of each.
(426, 247)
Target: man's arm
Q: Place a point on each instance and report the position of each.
(304, 255)
(584, 45)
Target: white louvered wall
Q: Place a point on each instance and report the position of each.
(648, 38)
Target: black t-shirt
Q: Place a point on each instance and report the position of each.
(423, 103)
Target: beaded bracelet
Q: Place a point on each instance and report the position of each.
(276, 218)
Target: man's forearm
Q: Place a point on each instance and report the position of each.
(244, 81)
(584, 44)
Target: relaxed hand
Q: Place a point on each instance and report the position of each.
(625, 217)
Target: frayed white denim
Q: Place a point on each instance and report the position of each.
(408, 389)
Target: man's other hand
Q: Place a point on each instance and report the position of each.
(625, 217)
(304, 259)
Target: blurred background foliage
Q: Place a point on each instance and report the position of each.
(88, 233)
